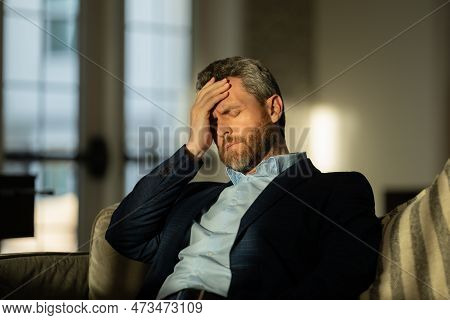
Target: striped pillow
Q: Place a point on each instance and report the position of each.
(415, 252)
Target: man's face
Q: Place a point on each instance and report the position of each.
(242, 128)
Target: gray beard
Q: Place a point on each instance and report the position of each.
(257, 146)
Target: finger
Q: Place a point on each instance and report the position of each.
(210, 81)
(205, 91)
(217, 90)
(206, 85)
(213, 101)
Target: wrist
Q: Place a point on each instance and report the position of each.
(194, 151)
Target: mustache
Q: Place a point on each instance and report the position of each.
(230, 140)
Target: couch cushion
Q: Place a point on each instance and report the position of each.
(111, 275)
(415, 252)
(44, 275)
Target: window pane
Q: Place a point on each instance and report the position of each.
(158, 76)
(21, 116)
(177, 12)
(61, 61)
(41, 86)
(24, 4)
(40, 121)
(176, 66)
(22, 48)
(62, 8)
(138, 71)
(61, 23)
(60, 122)
(138, 10)
(141, 114)
(158, 66)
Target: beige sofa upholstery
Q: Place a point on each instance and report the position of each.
(111, 275)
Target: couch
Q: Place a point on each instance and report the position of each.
(414, 260)
(101, 273)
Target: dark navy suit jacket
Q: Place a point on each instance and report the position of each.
(308, 235)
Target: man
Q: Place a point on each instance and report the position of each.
(280, 229)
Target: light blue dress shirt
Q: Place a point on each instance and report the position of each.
(205, 263)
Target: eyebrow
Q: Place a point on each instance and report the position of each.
(230, 107)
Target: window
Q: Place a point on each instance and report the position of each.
(40, 115)
(157, 65)
(41, 101)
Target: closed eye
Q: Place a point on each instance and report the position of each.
(233, 112)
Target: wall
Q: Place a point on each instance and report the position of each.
(391, 110)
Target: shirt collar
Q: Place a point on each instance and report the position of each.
(270, 167)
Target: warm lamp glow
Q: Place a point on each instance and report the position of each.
(324, 139)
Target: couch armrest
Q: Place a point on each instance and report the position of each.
(111, 275)
(44, 275)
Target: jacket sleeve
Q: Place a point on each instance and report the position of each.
(136, 224)
(348, 245)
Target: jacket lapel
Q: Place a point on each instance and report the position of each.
(206, 200)
(278, 187)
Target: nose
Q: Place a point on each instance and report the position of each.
(222, 130)
(222, 127)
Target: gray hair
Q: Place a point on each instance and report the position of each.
(256, 78)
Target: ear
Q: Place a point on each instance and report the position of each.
(274, 106)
